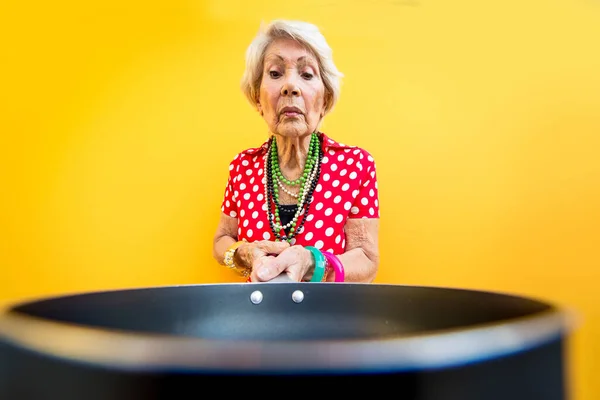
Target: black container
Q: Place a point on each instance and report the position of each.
(282, 338)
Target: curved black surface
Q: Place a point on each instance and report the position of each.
(328, 311)
(355, 317)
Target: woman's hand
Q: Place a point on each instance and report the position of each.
(254, 254)
(296, 261)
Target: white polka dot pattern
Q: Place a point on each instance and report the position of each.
(346, 189)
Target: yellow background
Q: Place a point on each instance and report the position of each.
(118, 123)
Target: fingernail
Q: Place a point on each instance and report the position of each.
(264, 273)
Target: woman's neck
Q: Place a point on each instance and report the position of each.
(292, 153)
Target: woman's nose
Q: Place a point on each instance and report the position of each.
(290, 88)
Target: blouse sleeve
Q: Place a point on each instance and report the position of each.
(366, 202)
(229, 206)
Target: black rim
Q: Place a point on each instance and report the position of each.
(155, 352)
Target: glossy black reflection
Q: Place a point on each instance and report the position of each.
(328, 311)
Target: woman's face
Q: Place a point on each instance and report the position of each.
(292, 94)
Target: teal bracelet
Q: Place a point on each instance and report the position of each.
(319, 264)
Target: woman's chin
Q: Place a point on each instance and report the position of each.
(293, 130)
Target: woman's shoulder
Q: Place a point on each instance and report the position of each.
(346, 153)
(249, 154)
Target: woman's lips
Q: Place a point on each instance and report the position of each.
(291, 112)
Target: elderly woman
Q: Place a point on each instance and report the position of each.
(300, 204)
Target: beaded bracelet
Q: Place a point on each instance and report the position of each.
(336, 265)
(319, 264)
(327, 270)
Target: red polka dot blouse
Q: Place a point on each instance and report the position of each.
(346, 188)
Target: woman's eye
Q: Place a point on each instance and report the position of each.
(307, 75)
(274, 74)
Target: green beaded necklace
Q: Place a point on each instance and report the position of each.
(306, 181)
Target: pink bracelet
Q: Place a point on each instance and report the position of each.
(336, 265)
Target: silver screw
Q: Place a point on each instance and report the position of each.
(256, 297)
(297, 296)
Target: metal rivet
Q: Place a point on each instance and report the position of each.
(298, 296)
(256, 297)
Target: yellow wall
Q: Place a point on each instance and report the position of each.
(117, 126)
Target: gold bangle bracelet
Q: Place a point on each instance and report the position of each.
(228, 259)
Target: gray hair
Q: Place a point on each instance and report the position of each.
(306, 34)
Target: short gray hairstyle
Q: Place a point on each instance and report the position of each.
(307, 35)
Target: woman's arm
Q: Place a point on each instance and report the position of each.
(361, 258)
(225, 236)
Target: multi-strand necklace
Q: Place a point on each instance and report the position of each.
(307, 183)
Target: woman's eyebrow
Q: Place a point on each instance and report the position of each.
(307, 61)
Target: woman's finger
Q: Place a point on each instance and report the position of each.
(270, 247)
(270, 267)
(294, 261)
(259, 266)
